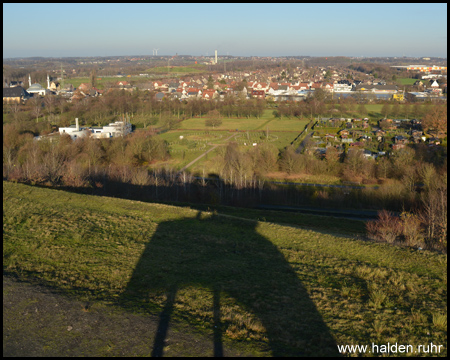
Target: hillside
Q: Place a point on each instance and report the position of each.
(266, 288)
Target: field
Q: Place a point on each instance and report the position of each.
(100, 80)
(192, 69)
(184, 151)
(227, 124)
(270, 288)
(284, 124)
(407, 81)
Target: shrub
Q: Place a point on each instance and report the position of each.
(74, 175)
(411, 229)
(376, 298)
(387, 228)
(371, 228)
(440, 320)
(434, 217)
(140, 177)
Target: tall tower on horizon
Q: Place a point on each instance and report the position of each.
(216, 57)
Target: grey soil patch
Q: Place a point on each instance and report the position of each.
(39, 322)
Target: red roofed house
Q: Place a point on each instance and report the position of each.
(251, 84)
(157, 84)
(84, 87)
(261, 86)
(328, 86)
(124, 85)
(274, 86)
(193, 92)
(304, 86)
(209, 94)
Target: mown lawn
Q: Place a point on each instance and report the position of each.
(407, 81)
(262, 123)
(274, 289)
(284, 124)
(227, 124)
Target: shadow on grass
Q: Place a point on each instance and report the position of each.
(232, 260)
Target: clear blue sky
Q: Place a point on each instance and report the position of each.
(59, 30)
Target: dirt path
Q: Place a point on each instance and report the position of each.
(39, 322)
(206, 152)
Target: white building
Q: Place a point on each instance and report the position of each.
(74, 131)
(118, 128)
(37, 89)
(342, 88)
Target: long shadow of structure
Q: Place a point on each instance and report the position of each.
(231, 259)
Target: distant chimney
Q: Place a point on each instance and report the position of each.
(76, 124)
(29, 79)
(48, 82)
(216, 56)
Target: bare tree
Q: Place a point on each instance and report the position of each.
(289, 160)
(385, 110)
(36, 107)
(50, 103)
(435, 120)
(14, 108)
(213, 118)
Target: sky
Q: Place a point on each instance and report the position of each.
(238, 29)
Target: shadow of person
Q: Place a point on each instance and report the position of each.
(231, 259)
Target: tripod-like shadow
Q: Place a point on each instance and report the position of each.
(230, 257)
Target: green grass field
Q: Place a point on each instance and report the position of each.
(266, 120)
(210, 164)
(227, 124)
(213, 136)
(192, 69)
(407, 81)
(284, 124)
(274, 289)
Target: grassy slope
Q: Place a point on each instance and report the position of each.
(282, 290)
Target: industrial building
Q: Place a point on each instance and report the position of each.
(422, 68)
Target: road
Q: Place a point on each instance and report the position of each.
(303, 143)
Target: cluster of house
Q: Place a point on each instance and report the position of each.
(261, 90)
(355, 134)
(200, 87)
(15, 91)
(294, 90)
